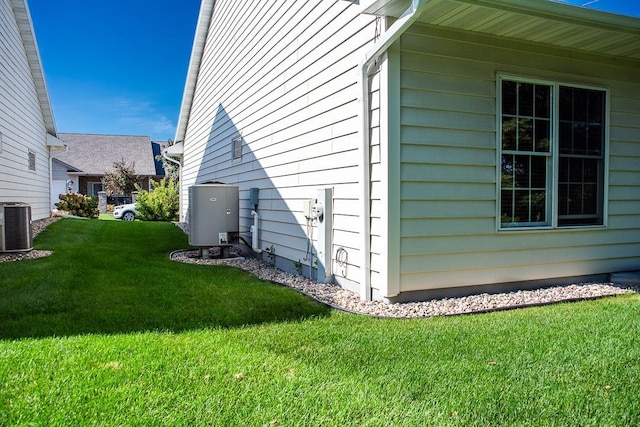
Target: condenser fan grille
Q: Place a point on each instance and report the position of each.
(17, 228)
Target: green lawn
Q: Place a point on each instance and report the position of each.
(108, 331)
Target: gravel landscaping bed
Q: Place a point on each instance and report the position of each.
(36, 228)
(343, 299)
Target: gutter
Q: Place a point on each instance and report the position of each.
(175, 150)
(202, 28)
(365, 69)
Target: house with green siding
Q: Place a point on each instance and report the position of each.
(416, 149)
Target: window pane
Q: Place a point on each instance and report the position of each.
(590, 199)
(521, 208)
(509, 133)
(580, 105)
(565, 139)
(538, 206)
(563, 169)
(506, 210)
(525, 135)
(563, 199)
(566, 104)
(507, 171)
(525, 99)
(538, 172)
(581, 168)
(575, 170)
(526, 130)
(594, 143)
(509, 97)
(590, 171)
(543, 100)
(542, 136)
(579, 138)
(521, 171)
(596, 107)
(575, 199)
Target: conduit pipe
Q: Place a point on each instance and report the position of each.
(254, 232)
(365, 69)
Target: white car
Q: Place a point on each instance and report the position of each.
(125, 212)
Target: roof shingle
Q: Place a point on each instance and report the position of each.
(95, 154)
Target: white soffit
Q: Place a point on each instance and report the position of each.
(385, 7)
(175, 150)
(52, 141)
(23, 19)
(537, 21)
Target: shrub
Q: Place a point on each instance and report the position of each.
(161, 204)
(78, 205)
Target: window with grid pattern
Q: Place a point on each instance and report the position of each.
(552, 140)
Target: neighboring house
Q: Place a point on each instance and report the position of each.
(88, 157)
(27, 128)
(454, 144)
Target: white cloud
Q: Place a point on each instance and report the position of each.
(141, 118)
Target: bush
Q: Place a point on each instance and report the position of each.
(78, 205)
(161, 204)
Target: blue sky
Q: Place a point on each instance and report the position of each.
(624, 7)
(119, 66)
(115, 66)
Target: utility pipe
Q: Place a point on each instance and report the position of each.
(254, 232)
(365, 69)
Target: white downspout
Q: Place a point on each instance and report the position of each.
(366, 66)
(166, 157)
(254, 232)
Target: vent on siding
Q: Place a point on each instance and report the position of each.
(32, 161)
(236, 147)
(15, 227)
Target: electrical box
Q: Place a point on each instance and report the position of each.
(214, 214)
(307, 206)
(254, 196)
(312, 209)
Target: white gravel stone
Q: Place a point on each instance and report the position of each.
(36, 228)
(343, 299)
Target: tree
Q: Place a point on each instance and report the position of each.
(121, 180)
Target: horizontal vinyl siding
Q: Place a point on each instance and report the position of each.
(282, 75)
(448, 166)
(21, 124)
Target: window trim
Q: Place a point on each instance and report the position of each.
(552, 186)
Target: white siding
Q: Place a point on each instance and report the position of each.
(21, 123)
(448, 165)
(282, 75)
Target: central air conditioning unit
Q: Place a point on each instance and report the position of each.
(214, 215)
(15, 227)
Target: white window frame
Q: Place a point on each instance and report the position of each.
(553, 167)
